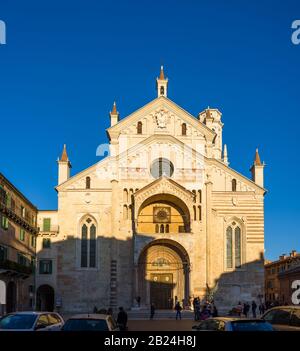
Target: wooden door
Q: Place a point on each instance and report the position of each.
(161, 289)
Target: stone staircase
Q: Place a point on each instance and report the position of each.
(144, 314)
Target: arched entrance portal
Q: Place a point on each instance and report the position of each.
(163, 274)
(11, 297)
(45, 298)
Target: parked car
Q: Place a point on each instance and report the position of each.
(233, 324)
(284, 318)
(31, 321)
(90, 322)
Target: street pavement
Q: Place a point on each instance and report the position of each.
(161, 325)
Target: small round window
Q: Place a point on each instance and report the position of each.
(162, 167)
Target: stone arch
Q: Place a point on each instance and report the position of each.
(180, 216)
(163, 270)
(45, 298)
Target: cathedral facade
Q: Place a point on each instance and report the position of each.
(162, 217)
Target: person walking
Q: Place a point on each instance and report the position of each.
(214, 311)
(254, 307)
(152, 311)
(122, 319)
(178, 309)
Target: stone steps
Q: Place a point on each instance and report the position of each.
(144, 314)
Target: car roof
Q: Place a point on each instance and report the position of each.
(235, 319)
(37, 313)
(89, 316)
(289, 307)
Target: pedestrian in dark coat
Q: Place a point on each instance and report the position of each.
(152, 311)
(122, 319)
(178, 310)
(254, 307)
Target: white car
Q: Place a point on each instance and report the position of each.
(91, 322)
(31, 321)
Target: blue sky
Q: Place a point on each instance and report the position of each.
(65, 62)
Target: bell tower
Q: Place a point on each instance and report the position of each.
(162, 84)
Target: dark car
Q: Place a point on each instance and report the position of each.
(233, 324)
(90, 322)
(284, 318)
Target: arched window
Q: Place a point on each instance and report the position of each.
(84, 245)
(93, 245)
(195, 213)
(140, 128)
(162, 91)
(167, 228)
(194, 195)
(237, 244)
(88, 243)
(130, 212)
(125, 195)
(183, 129)
(156, 228)
(199, 213)
(162, 228)
(200, 196)
(233, 246)
(233, 183)
(125, 212)
(88, 183)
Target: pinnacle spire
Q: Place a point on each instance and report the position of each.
(257, 161)
(161, 75)
(114, 110)
(64, 155)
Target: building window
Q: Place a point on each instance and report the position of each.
(33, 241)
(156, 228)
(93, 246)
(23, 211)
(229, 247)
(45, 267)
(125, 195)
(167, 228)
(162, 167)
(125, 212)
(88, 243)
(46, 243)
(4, 223)
(200, 213)
(140, 128)
(195, 213)
(233, 246)
(162, 91)
(88, 183)
(46, 224)
(22, 234)
(200, 196)
(183, 129)
(84, 245)
(162, 228)
(233, 184)
(3, 253)
(22, 260)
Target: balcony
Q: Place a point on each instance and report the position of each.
(50, 230)
(12, 268)
(15, 214)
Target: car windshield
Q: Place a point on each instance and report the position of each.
(86, 325)
(251, 326)
(18, 321)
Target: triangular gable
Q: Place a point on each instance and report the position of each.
(161, 102)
